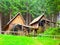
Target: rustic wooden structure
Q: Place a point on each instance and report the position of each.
(40, 23)
(15, 24)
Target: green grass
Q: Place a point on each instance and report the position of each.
(24, 40)
(49, 41)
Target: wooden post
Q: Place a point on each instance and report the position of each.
(46, 25)
(40, 29)
(34, 32)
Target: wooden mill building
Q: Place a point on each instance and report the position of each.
(16, 24)
(40, 23)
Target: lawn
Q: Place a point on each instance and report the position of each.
(24, 40)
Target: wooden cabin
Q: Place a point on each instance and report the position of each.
(15, 25)
(40, 23)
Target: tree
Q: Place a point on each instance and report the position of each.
(34, 7)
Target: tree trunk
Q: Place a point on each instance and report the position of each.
(30, 18)
(0, 22)
(58, 16)
(52, 20)
(10, 14)
(26, 18)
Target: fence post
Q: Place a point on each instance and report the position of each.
(54, 37)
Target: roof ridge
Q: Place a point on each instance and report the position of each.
(37, 19)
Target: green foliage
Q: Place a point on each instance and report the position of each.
(33, 7)
(52, 31)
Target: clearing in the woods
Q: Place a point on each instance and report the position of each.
(25, 40)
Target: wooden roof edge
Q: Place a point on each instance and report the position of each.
(13, 19)
(37, 20)
(30, 27)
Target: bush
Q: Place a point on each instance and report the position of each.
(52, 31)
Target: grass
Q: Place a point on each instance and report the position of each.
(24, 40)
(48, 41)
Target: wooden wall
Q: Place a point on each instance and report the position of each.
(17, 20)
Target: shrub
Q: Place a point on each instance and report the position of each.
(52, 31)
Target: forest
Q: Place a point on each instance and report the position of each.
(33, 7)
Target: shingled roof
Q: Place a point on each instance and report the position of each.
(13, 19)
(37, 19)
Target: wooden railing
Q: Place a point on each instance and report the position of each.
(39, 35)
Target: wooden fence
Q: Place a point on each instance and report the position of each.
(51, 36)
(39, 35)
